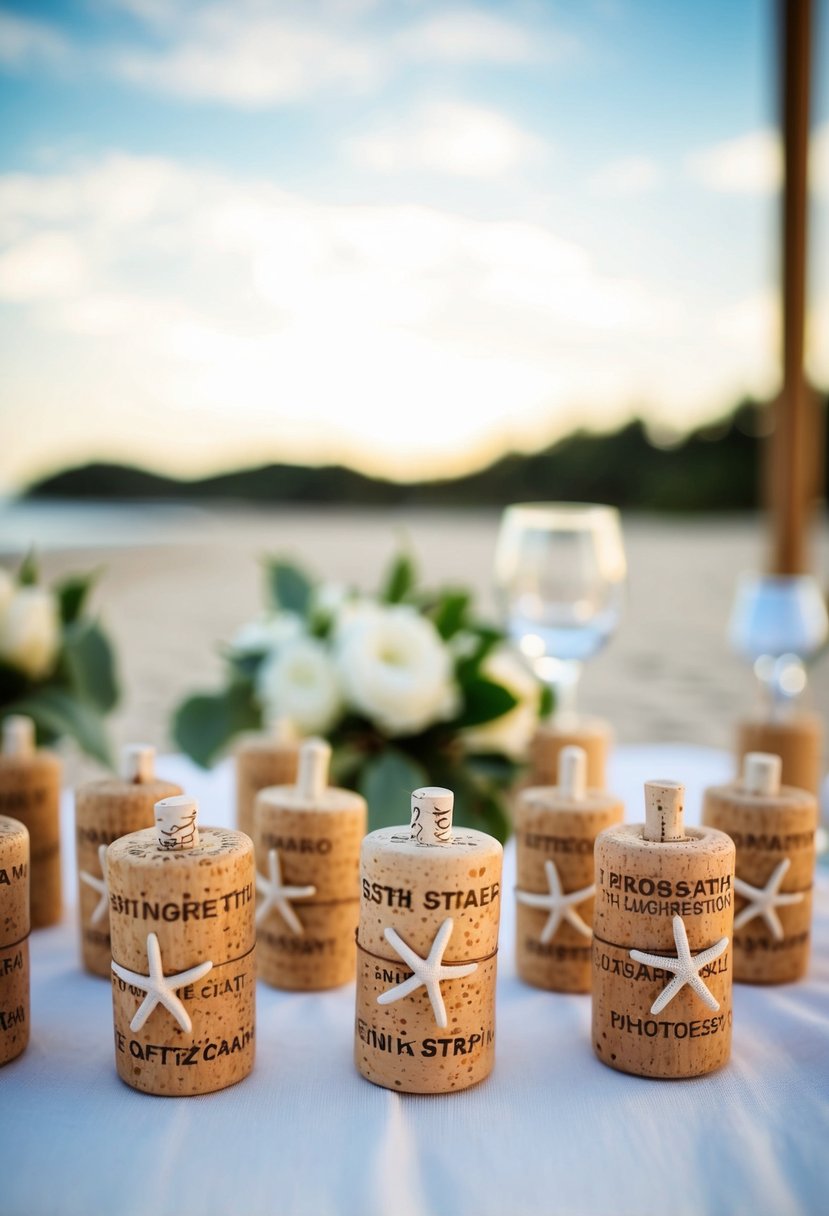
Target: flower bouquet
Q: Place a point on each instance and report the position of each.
(408, 686)
(56, 663)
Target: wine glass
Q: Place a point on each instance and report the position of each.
(559, 577)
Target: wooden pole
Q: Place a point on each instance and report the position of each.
(795, 426)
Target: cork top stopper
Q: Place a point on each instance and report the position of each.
(18, 736)
(138, 763)
(761, 774)
(664, 810)
(572, 773)
(312, 774)
(175, 823)
(432, 815)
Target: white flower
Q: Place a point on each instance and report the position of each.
(511, 733)
(328, 598)
(299, 682)
(395, 668)
(30, 631)
(267, 633)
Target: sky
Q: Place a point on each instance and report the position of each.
(407, 235)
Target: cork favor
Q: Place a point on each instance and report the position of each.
(796, 737)
(30, 791)
(555, 830)
(662, 926)
(182, 905)
(105, 810)
(262, 761)
(592, 735)
(426, 952)
(308, 855)
(773, 828)
(14, 939)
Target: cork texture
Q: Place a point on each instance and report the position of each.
(14, 935)
(641, 886)
(104, 811)
(551, 827)
(797, 740)
(261, 762)
(414, 890)
(767, 831)
(30, 792)
(317, 846)
(200, 903)
(591, 734)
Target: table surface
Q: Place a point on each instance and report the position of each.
(551, 1131)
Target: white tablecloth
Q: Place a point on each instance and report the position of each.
(552, 1131)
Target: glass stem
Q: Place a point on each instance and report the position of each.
(564, 680)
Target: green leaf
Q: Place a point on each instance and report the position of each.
(72, 595)
(346, 762)
(480, 805)
(400, 579)
(90, 665)
(28, 574)
(451, 613)
(13, 683)
(204, 724)
(484, 700)
(57, 713)
(386, 783)
(289, 588)
(546, 702)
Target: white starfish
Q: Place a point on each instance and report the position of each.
(161, 989)
(764, 901)
(429, 972)
(686, 967)
(100, 885)
(278, 896)
(561, 906)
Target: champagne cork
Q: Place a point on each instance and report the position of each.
(773, 829)
(592, 735)
(308, 854)
(14, 939)
(555, 829)
(182, 905)
(105, 810)
(426, 952)
(797, 738)
(30, 791)
(662, 926)
(262, 761)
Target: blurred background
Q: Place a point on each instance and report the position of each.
(281, 278)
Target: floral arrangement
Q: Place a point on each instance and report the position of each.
(408, 687)
(56, 662)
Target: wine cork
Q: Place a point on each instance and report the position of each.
(14, 938)
(796, 738)
(426, 952)
(308, 855)
(592, 735)
(773, 829)
(183, 933)
(662, 956)
(555, 830)
(105, 810)
(262, 761)
(30, 791)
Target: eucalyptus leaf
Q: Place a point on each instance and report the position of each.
(484, 700)
(547, 702)
(386, 783)
(289, 588)
(72, 595)
(400, 579)
(29, 572)
(56, 712)
(90, 664)
(451, 613)
(205, 723)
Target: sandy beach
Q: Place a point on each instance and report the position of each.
(177, 582)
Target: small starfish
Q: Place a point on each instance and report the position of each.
(429, 972)
(561, 906)
(278, 896)
(100, 885)
(764, 901)
(160, 989)
(685, 966)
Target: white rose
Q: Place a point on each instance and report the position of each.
(30, 631)
(299, 682)
(511, 733)
(396, 669)
(267, 633)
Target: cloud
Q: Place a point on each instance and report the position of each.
(24, 41)
(474, 36)
(627, 176)
(45, 265)
(451, 138)
(749, 164)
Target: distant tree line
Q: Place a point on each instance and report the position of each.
(716, 467)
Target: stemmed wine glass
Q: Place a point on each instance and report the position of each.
(559, 578)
